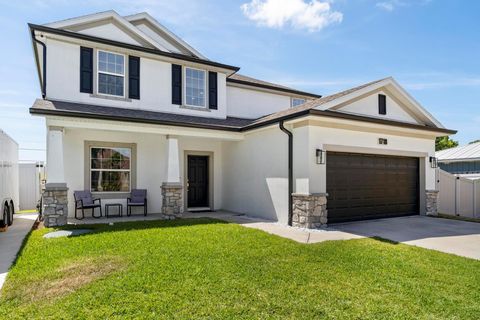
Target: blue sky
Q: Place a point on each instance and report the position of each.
(431, 47)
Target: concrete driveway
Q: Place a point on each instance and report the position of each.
(451, 236)
(11, 241)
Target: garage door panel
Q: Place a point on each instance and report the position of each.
(363, 186)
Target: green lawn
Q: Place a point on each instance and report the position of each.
(204, 268)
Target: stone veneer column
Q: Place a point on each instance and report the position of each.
(172, 199)
(309, 210)
(172, 189)
(55, 204)
(431, 202)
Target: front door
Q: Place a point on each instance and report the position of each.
(197, 184)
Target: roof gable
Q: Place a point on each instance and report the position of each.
(108, 25)
(367, 105)
(162, 35)
(325, 106)
(395, 91)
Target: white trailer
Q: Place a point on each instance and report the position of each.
(8, 179)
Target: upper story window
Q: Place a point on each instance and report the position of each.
(111, 73)
(195, 87)
(297, 102)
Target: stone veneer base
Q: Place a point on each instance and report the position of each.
(309, 210)
(55, 204)
(172, 199)
(431, 203)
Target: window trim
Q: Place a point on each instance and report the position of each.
(110, 73)
(184, 85)
(293, 98)
(110, 170)
(382, 109)
(87, 167)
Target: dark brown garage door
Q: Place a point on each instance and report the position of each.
(365, 186)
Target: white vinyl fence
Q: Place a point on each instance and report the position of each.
(458, 196)
(29, 176)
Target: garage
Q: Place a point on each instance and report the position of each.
(367, 186)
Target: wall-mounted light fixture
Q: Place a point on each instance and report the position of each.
(320, 155)
(433, 162)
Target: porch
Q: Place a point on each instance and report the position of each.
(180, 168)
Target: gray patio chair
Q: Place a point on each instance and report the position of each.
(138, 198)
(84, 200)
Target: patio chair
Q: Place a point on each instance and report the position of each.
(138, 198)
(84, 200)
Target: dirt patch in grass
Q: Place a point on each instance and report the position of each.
(70, 277)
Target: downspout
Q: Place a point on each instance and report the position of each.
(44, 72)
(290, 171)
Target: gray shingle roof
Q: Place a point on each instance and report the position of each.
(71, 109)
(115, 113)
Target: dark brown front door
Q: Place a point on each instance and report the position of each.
(366, 186)
(197, 181)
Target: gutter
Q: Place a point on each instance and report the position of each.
(290, 171)
(43, 81)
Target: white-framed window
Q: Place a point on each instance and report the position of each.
(297, 102)
(111, 73)
(195, 87)
(110, 169)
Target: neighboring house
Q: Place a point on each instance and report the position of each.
(462, 161)
(128, 104)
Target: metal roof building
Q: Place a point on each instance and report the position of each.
(462, 161)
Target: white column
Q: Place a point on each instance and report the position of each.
(55, 162)
(173, 162)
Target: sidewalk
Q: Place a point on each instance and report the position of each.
(11, 241)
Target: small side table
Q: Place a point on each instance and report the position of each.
(119, 209)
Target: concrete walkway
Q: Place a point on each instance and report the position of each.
(450, 236)
(11, 241)
(272, 227)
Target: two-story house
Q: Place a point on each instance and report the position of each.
(128, 105)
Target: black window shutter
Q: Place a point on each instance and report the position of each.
(212, 90)
(86, 70)
(382, 104)
(133, 77)
(176, 84)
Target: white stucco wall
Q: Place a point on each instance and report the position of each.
(63, 83)
(369, 106)
(255, 169)
(250, 103)
(151, 162)
(255, 175)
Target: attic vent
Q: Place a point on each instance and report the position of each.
(382, 141)
(382, 104)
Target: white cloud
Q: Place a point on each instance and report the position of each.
(390, 5)
(387, 5)
(312, 15)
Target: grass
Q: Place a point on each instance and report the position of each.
(193, 269)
